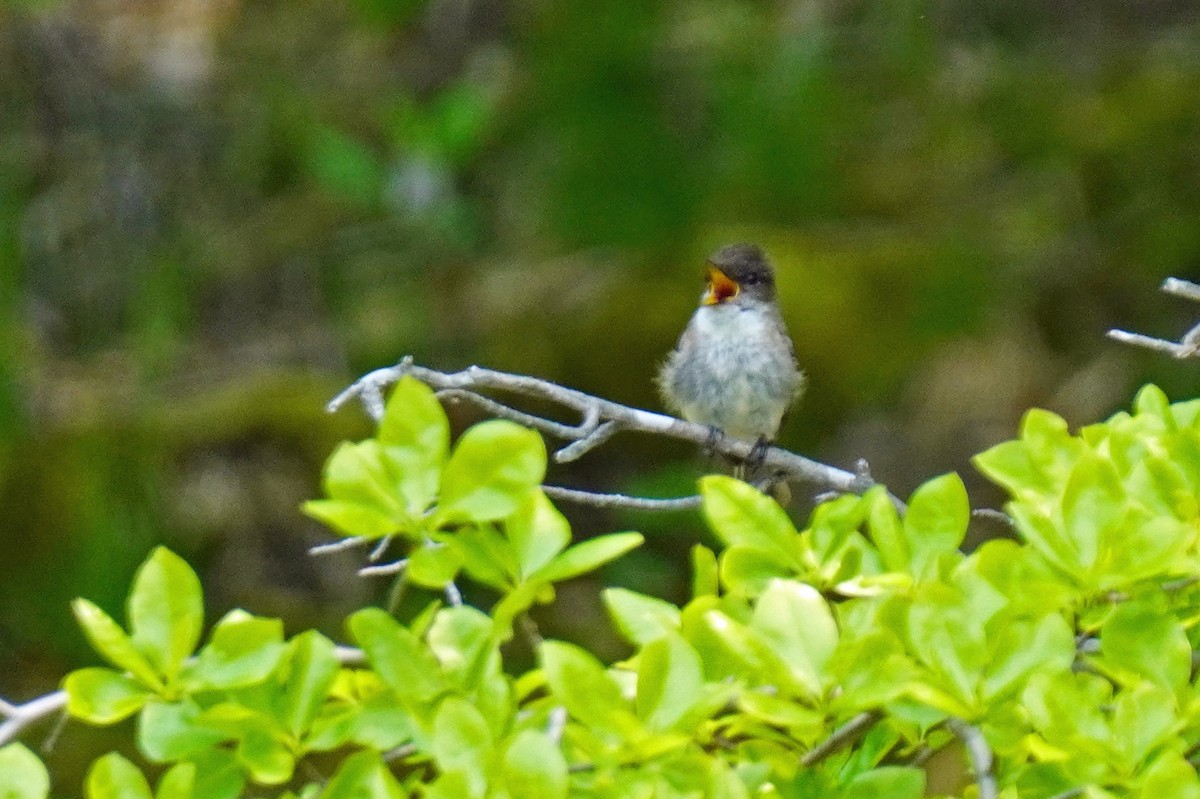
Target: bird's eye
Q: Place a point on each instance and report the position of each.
(751, 280)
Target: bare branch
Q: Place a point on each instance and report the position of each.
(600, 420)
(980, 755)
(842, 737)
(18, 717)
(1188, 345)
(339, 545)
(621, 500)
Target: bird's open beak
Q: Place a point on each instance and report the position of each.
(720, 287)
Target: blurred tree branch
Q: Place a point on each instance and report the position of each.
(1188, 345)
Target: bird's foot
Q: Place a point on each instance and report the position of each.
(715, 434)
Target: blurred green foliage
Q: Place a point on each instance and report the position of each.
(214, 213)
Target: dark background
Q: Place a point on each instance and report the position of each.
(215, 213)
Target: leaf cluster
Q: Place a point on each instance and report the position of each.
(1069, 648)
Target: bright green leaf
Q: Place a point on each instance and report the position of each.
(462, 742)
(936, 519)
(267, 758)
(178, 783)
(589, 555)
(103, 696)
(169, 731)
(114, 777)
(670, 681)
(640, 618)
(738, 513)
(242, 650)
(402, 661)
(705, 576)
(588, 691)
(534, 767)
(166, 611)
(434, 565)
(886, 531)
(747, 570)
(110, 641)
(414, 419)
(795, 619)
(494, 468)
(218, 775)
(313, 667)
(22, 775)
(1149, 643)
(363, 775)
(537, 532)
(890, 782)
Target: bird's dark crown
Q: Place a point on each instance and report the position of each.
(746, 265)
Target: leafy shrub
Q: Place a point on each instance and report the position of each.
(831, 661)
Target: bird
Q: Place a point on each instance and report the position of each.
(734, 368)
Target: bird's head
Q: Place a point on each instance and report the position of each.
(739, 273)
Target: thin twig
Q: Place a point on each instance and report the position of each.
(1188, 345)
(384, 569)
(594, 412)
(842, 737)
(980, 755)
(339, 545)
(18, 717)
(621, 500)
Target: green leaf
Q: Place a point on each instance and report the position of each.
(1169, 776)
(414, 419)
(1152, 401)
(670, 681)
(242, 650)
(218, 775)
(640, 618)
(178, 783)
(936, 519)
(110, 641)
(1023, 646)
(588, 691)
(487, 555)
(705, 576)
(114, 777)
(747, 570)
(537, 532)
(1093, 506)
(738, 513)
(492, 471)
(462, 742)
(886, 531)
(352, 518)
(103, 696)
(402, 661)
(1148, 643)
(534, 767)
(169, 731)
(268, 759)
(889, 782)
(22, 775)
(589, 555)
(434, 565)
(166, 611)
(1011, 466)
(313, 667)
(795, 619)
(945, 635)
(1144, 718)
(415, 434)
(363, 775)
(462, 640)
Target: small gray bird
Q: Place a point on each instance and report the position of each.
(734, 368)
